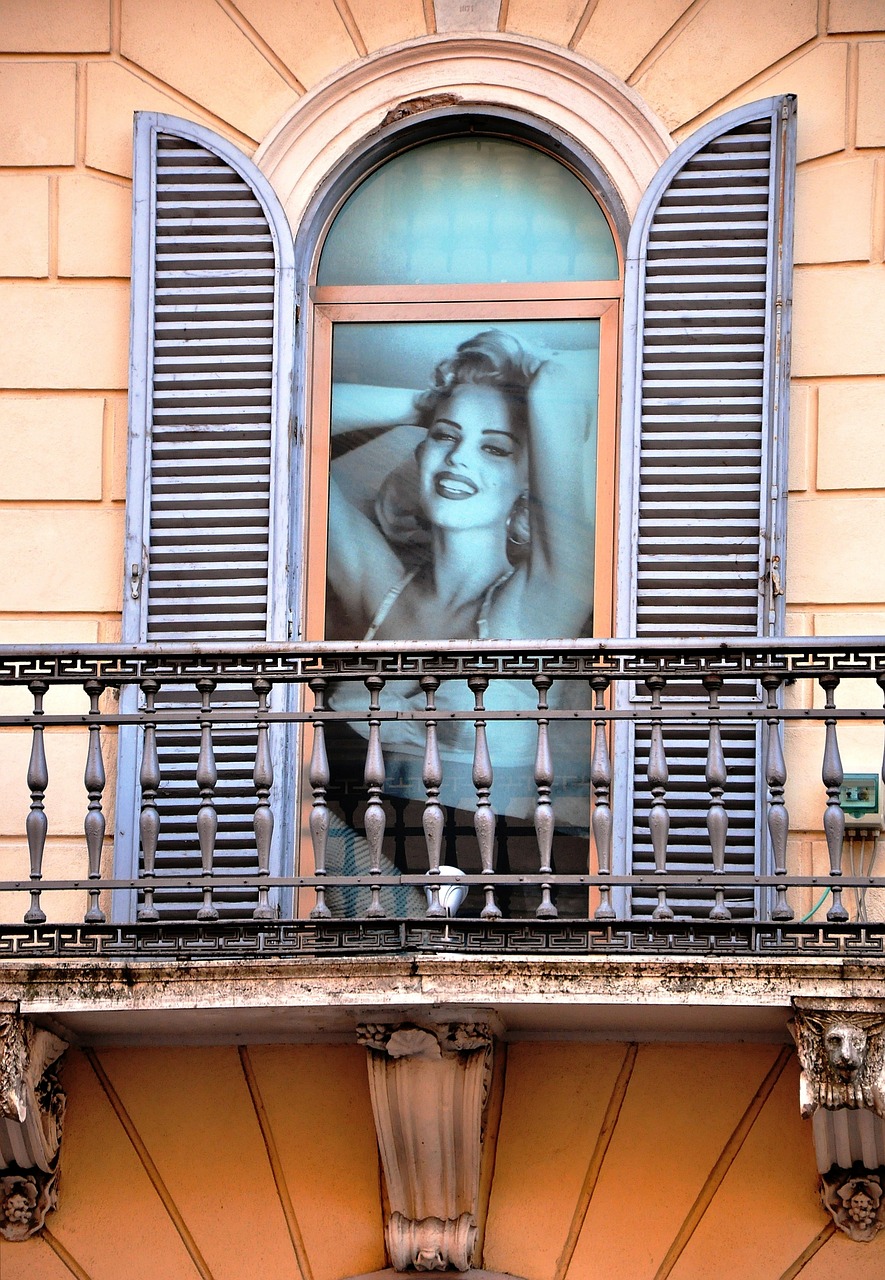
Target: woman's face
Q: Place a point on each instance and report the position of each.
(473, 464)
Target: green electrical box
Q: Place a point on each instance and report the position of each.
(859, 797)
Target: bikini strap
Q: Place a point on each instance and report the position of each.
(387, 603)
(482, 621)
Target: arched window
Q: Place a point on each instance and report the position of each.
(465, 315)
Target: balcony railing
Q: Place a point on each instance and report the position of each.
(592, 796)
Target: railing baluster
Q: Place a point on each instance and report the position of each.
(601, 778)
(262, 822)
(149, 819)
(319, 777)
(658, 775)
(375, 818)
(832, 777)
(716, 777)
(433, 818)
(484, 817)
(36, 824)
(94, 823)
(544, 817)
(207, 816)
(776, 778)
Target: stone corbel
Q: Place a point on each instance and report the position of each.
(841, 1048)
(31, 1112)
(429, 1085)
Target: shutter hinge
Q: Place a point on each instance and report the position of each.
(290, 623)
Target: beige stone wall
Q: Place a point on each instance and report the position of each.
(72, 74)
(613, 1161)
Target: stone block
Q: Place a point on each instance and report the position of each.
(94, 227)
(201, 52)
(706, 62)
(818, 78)
(113, 94)
(803, 413)
(61, 559)
(454, 17)
(798, 623)
(851, 435)
(805, 795)
(63, 859)
(856, 15)
(38, 113)
(24, 225)
(310, 38)
(66, 798)
(64, 434)
(385, 22)
(834, 212)
(832, 560)
(47, 26)
(16, 700)
(871, 94)
(851, 622)
(119, 428)
(621, 33)
(553, 20)
(64, 336)
(838, 322)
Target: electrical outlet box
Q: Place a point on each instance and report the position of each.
(861, 798)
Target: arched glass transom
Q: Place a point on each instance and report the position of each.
(469, 210)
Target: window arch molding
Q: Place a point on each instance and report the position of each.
(431, 124)
(570, 98)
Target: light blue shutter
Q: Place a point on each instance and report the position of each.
(212, 356)
(703, 450)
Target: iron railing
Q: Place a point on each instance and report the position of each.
(340, 760)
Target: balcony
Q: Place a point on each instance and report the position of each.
(187, 718)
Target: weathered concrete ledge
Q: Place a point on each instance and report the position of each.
(222, 1001)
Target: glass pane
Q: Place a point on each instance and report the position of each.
(469, 211)
(462, 497)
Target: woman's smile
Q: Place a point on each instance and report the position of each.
(454, 487)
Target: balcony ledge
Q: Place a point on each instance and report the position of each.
(219, 1001)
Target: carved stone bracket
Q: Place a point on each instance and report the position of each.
(31, 1113)
(842, 1088)
(429, 1085)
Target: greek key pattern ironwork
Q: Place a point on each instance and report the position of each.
(619, 660)
(292, 939)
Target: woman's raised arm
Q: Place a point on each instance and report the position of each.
(362, 566)
(558, 592)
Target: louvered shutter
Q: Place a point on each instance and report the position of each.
(703, 455)
(207, 507)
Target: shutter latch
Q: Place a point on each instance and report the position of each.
(777, 588)
(136, 575)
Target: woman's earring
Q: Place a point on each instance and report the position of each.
(519, 533)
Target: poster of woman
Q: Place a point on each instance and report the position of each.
(461, 507)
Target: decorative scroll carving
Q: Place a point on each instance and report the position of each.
(429, 1085)
(31, 1113)
(854, 1198)
(842, 1053)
